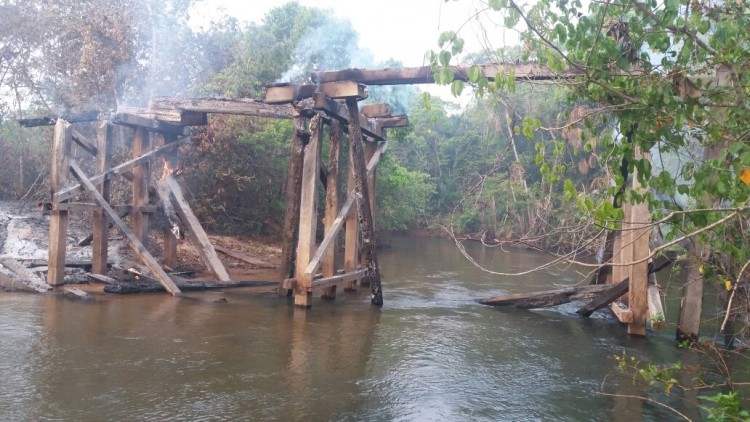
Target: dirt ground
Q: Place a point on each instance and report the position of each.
(24, 232)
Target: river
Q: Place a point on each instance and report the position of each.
(430, 353)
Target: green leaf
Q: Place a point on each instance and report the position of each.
(498, 4)
(475, 73)
(456, 88)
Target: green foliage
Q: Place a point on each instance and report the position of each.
(402, 195)
(726, 407)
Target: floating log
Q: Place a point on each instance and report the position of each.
(243, 257)
(606, 297)
(143, 286)
(546, 298)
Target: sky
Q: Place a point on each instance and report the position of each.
(401, 29)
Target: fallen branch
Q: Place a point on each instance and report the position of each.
(547, 298)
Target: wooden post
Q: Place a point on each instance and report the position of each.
(370, 149)
(292, 197)
(141, 145)
(332, 203)
(100, 241)
(638, 293)
(170, 238)
(351, 234)
(308, 214)
(689, 319)
(365, 213)
(58, 224)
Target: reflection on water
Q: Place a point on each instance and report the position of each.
(430, 353)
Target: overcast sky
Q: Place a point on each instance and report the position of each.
(401, 29)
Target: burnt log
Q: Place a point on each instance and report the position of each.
(605, 298)
(145, 286)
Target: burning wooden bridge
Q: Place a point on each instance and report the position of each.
(321, 112)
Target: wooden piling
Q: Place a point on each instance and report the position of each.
(100, 241)
(58, 225)
(140, 220)
(291, 214)
(351, 234)
(365, 213)
(308, 216)
(332, 203)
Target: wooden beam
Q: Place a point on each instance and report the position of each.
(328, 241)
(425, 75)
(243, 257)
(83, 142)
(25, 276)
(637, 221)
(100, 233)
(372, 164)
(135, 244)
(332, 206)
(286, 93)
(58, 224)
(365, 213)
(90, 206)
(72, 191)
(292, 200)
(351, 234)
(622, 312)
(151, 125)
(241, 106)
(327, 282)
(308, 217)
(391, 122)
(142, 144)
(376, 110)
(336, 110)
(603, 299)
(195, 230)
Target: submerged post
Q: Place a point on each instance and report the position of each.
(308, 214)
(291, 214)
(58, 223)
(328, 266)
(365, 213)
(100, 240)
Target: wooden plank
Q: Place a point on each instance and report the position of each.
(327, 282)
(390, 122)
(286, 93)
(76, 293)
(424, 74)
(58, 224)
(336, 110)
(135, 244)
(332, 208)
(547, 298)
(376, 110)
(365, 213)
(622, 312)
(89, 206)
(308, 219)
(83, 142)
(141, 174)
(24, 275)
(100, 234)
(240, 106)
(120, 169)
(292, 198)
(244, 257)
(328, 241)
(195, 230)
(150, 125)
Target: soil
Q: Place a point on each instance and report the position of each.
(24, 236)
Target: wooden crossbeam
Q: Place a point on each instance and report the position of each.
(135, 244)
(336, 110)
(373, 163)
(425, 75)
(242, 106)
(327, 242)
(83, 142)
(325, 282)
(72, 191)
(195, 231)
(376, 110)
(391, 121)
(151, 125)
(286, 93)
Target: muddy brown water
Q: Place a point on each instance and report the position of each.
(429, 354)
